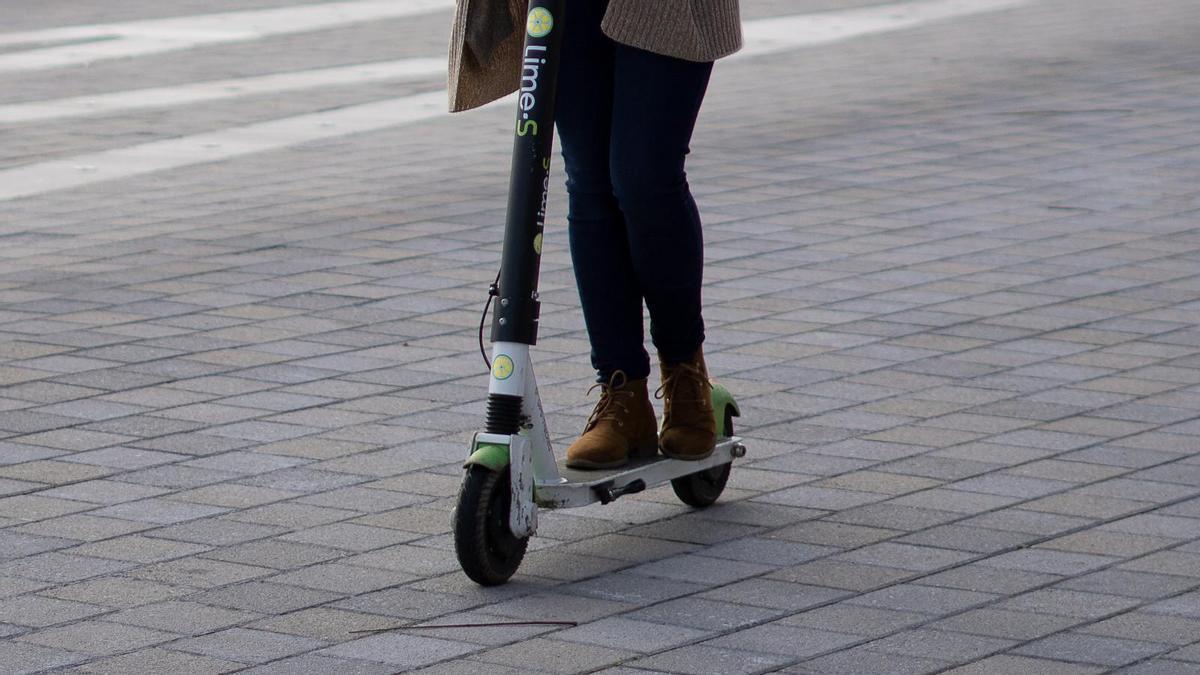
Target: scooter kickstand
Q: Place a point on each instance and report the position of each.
(607, 493)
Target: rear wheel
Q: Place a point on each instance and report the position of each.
(703, 488)
(487, 549)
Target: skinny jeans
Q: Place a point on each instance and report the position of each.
(625, 118)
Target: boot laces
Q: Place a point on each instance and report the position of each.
(609, 407)
(689, 378)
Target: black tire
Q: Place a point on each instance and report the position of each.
(703, 488)
(486, 547)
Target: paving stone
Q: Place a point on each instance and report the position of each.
(407, 603)
(845, 618)
(52, 472)
(245, 645)
(17, 545)
(774, 594)
(1106, 651)
(1011, 664)
(21, 657)
(185, 618)
(149, 661)
(705, 659)
(1162, 666)
(274, 553)
(61, 567)
(700, 569)
(932, 600)
(110, 591)
(327, 624)
(198, 572)
(792, 641)
(159, 511)
(864, 660)
(1068, 603)
(1135, 584)
(705, 614)
(97, 637)
(265, 597)
(1146, 627)
(349, 536)
(1049, 562)
(315, 663)
(39, 611)
(138, 548)
(217, 532)
(768, 551)
(338, 578)
(403, 651)
(627, 586)
(631, 634)
(848, 576)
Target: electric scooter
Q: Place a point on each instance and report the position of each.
(511, 470)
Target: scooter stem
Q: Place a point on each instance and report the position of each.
(516, 316)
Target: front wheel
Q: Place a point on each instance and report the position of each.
(703, 488)
(487, 549)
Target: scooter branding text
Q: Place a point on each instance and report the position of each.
(531, 71)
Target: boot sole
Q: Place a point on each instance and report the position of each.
(687, 458)
(642, 450)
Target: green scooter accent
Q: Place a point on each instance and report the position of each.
(489, 455)
(722, 398)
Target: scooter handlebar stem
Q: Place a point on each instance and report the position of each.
(516, 316)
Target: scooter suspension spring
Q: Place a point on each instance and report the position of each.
(503, 414)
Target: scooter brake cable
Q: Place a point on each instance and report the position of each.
(493, 291)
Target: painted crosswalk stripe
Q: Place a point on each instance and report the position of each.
(217, 145)
(153, 36)
(200, 92)
(763, 37)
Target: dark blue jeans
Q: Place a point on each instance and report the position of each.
(625, 118)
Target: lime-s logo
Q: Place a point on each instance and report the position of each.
(540, 22)
(502, 367)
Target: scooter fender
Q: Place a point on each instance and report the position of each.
(492, 456)
(721, 398)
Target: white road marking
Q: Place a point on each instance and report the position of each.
(762, 37)
(136, 38)
(199, 92)
(217, 145)
(765, 36)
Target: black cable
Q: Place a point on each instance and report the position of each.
(493, 291)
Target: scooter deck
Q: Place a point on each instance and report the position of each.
(579, 487)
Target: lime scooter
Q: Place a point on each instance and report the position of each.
(511, 471)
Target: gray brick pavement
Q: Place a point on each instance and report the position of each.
(951, 277)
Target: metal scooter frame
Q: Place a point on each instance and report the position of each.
(516, 436)
(538, 480)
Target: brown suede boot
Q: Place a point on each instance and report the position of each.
(689, 428)
(621, 425)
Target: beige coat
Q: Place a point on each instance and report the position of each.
(488, 36)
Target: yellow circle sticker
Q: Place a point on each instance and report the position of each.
(537, 244)
(540, 23)
(502, 367)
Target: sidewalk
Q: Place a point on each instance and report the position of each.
(953, 279)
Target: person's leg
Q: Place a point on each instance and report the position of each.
(622, 423)
(656, 101)
(608, 287)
